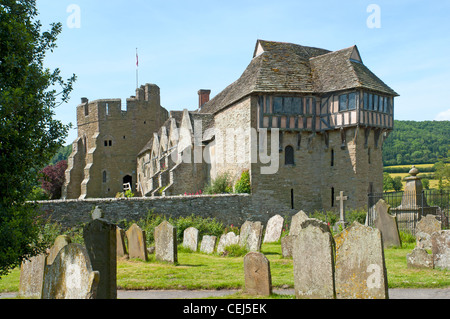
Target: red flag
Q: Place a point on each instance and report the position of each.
(137, 59)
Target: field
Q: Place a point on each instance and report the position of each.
(433, 182)
(201, 271)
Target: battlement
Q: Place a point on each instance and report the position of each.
(146, 100)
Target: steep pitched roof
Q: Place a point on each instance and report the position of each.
(286, 67)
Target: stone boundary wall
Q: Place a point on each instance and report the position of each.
(229, 208)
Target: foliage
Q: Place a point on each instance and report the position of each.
(220, 185)
(234, 250)
(243, 184)
(442, 174)
(29, 134)
(62, 154)
(52, 179)
(417, 142)
(390, 183)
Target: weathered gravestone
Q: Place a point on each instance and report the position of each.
(426, 226)
(208, 244)
(258, 280)
(296, 225)
(166, 242)
(250, 235)
(226, 240)
(419, 258)
(32, 276)
(137, 246)
(273, 229)
(387, 224)
(190, 238)
(70, 276)
(120, 240)
(440, 246)
(360, 266)
(313, 261)
(100, 240)
(60, 242)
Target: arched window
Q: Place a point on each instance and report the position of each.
(289, 155)
(104, 176)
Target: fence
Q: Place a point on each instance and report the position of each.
(409, 207)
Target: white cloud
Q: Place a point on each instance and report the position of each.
(443, 116)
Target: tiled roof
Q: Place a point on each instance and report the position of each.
(286, 67)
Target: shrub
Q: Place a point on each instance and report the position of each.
(220, 185)
(243, 184)
(235, 251)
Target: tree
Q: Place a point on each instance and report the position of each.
(397, 184)
(53, 179)
(387, 182)
(29, 136)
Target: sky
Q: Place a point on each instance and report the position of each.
(185, 46)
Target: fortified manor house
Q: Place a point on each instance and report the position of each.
(306, 123)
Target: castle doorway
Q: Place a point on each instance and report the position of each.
(127, 183)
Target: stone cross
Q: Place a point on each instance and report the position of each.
(341, 198)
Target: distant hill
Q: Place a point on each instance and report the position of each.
(414, 142)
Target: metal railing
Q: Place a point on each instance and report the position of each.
(409, 207)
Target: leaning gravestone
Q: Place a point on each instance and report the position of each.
(121, 246)
(190, 238)
(251, 235)
(313, 261)
(419, 258)
(296, 226)
(360, 266)
(226, 240)
(60, 242)
(137, 246)
(166, 242)
(387, 224)
(100, 240)
(273, 229)
(258, 280)
(70, 276)
(426, 226)
(32, 276)
(208, 244)
(440, 246)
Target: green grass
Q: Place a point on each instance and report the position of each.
(202, 271)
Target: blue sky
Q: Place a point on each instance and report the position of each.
(185, 46)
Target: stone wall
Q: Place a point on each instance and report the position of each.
(230, 209)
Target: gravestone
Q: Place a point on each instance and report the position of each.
(258, 280)
(360, 266)
(296, 226)
(190, 238)
(227, 239)
(70, 276)
(166, 242)
(101, 244)
(273, 229)
(387, 224)
(426, 226)
(121, 246)
(313, 261)
(60, 242)
(440, 246)
(32, 276)
(137, 246)
(419, 258)
(250, 235)
(208, 244)
(341, 198)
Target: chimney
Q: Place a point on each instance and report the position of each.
(203, 97)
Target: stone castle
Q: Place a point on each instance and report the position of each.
(306, 123)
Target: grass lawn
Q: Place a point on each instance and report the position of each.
(201, 271)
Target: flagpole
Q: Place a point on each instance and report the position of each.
(137, 69)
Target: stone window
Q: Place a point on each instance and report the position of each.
(332, 196)
(105, 175)
(289, 155)
(332, 158)
(86, 109)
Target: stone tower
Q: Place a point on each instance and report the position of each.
(103, 156)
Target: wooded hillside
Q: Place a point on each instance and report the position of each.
(414, 142)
